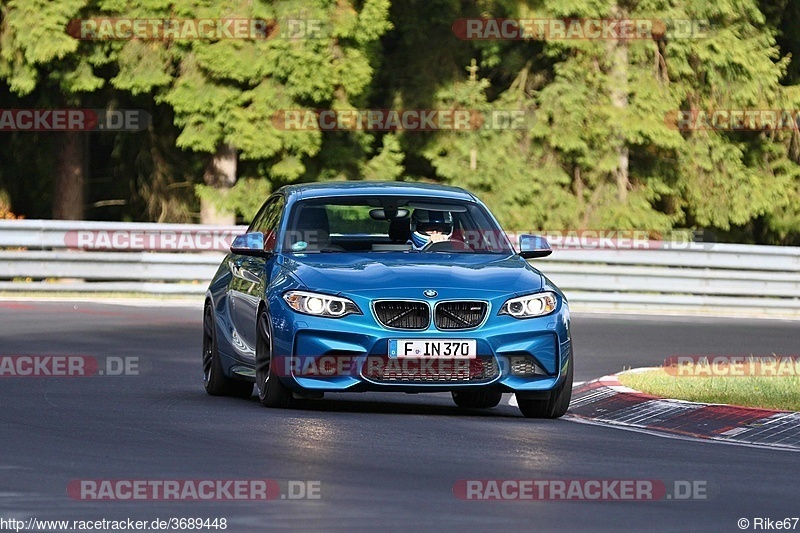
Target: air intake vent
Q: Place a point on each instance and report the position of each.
(403, 314)
(460, 315)
(479, 370)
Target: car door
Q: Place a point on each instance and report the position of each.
(249, 277)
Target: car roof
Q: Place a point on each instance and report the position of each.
(373, 188)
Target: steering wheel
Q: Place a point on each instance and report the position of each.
(451, 245)
(332, 248)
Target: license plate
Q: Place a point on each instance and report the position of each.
(449, 349)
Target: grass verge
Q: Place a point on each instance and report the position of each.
(768, 392)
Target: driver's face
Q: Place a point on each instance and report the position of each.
(437, 236)
(434, 230)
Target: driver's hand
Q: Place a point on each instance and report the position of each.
(438, 237)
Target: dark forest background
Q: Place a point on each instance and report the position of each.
(596, 153)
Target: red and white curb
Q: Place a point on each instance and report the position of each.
(606, 401)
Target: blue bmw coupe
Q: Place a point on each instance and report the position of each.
(370, 286)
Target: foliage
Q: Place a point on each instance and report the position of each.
(597, 149)
(5, 208)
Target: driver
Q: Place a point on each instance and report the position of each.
(429, 227)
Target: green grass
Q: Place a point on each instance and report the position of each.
(751, 391)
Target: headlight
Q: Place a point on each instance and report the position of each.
(311, 303)
(530, 306)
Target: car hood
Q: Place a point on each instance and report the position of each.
(356, 273)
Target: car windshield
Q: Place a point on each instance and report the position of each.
(392, 224)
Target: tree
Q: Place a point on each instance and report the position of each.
(225, 93)
(37, 53)
(601, 151)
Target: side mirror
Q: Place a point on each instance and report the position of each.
(250, 244)
(532, 246)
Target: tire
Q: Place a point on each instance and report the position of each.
(553, 407)
(271, 392)
(215, 381)
(477, 399)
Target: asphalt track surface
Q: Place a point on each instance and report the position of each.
(384, 461)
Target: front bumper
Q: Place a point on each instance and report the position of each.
(351, 354)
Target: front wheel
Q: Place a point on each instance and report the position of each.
(271, 392)
(215, 381)
(553, 407)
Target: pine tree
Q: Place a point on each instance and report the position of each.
(225, 93)
(37, 54)
(601, 151)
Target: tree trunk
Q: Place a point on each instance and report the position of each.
(623, 181)
(577, 182)
(221, 174)
(618, 52)
(69, 201)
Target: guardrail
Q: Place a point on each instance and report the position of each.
(727, 278)
(57, 256)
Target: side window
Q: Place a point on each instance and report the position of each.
(267, 221)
